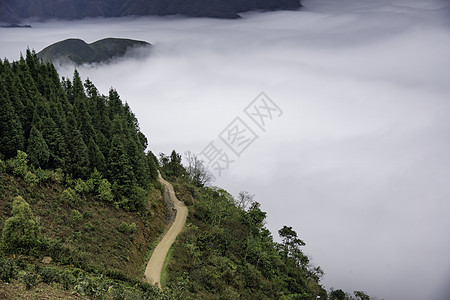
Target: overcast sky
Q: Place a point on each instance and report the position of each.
(357, 155)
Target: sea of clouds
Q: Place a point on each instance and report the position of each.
(359, 160)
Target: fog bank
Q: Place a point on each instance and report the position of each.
(359, 160)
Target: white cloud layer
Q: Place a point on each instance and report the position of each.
(358, 164)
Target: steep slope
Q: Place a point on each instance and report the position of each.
(78, 159)
(12, 10)
(79, 52)
(82, 207)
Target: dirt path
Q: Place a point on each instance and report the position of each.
(155, 264)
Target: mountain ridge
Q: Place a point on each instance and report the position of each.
(79, 52)
(12, 11)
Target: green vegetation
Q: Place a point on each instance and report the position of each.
(60, 194)
(225, 251)
(81, 207)
(70, 126)
(21, 231)
(229, 254)
(341, 295)
(79, 52)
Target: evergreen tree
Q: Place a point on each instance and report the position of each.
(37, 150)
(152, 163)
(337, 295)
(115, 104)
(290, 248)
(11, 133)
(78, 90)
(15, 90)
(85, 121)
(172, 165)
(120, 170)
(96, 158)
(56, 144)
(78, 163)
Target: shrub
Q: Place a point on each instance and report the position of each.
(37, 268)
(118, 293)
(42, 175)
(123, 227)
(21, 264)
(57, 176)
(127, 228)
(76, 216)
(138, 199)
(104, 191)
(132, 228)
(19, 164)
(7, 271)
(90, 185)
(81, 186)
(94, 287)
(31, 179)
(67, 280)
(88, 226)
(30, 280)
(70, 197)
(116, 274)
(48, 275)
(20, 232)
(51, 247)
(77, 236)
(2, 166)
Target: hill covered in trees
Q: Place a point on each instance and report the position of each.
(16, 10)
(68, 125)
(78, 52)
(81, 207)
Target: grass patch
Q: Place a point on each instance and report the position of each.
(169, 259)
(164, 271)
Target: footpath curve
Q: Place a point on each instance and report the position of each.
(155, 264)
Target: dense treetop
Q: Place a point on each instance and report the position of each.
(68, 125)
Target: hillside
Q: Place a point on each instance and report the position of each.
(78, 52)
(80, 203)
(15, 10)
(82, 210)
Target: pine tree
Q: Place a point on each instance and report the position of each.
(56, 144)
(78, 163)
(152, 163)
(37, 149)
(78, 90)
(120, 170)
(11, 133)
(14, 88)
(175, 167)
(96, 158)
(115, 104)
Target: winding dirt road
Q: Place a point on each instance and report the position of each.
(155, 264)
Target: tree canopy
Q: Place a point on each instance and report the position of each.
(63, 123)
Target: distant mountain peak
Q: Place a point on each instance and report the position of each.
(78, 52)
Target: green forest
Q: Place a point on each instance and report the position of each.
(81, 207)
